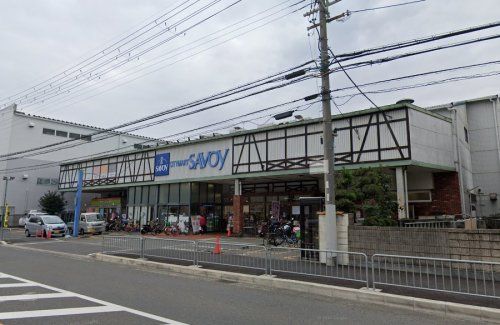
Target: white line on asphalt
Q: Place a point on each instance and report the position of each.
(58, 312)
(15, 285)
(77, 295)
(35, 296)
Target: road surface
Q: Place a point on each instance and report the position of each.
(83, 291)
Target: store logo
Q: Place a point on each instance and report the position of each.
(214, 159)
(162, 164)
(200, 160)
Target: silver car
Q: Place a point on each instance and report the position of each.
(41, 225)
(90, 222)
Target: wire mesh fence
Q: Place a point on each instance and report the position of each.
(349, 266)
(479, 278)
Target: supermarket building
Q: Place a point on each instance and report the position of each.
(252, 174)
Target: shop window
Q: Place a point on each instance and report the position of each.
(131, 192)
(174, 193)
(48, 131)
(137, 197)
(153, 193)
(203, 193)
(145, 195)
(419, 196)
(163, 199)
(195, 193)
(210, 193)
(63, 134)
(184, 193)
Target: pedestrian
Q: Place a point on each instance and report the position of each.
(203, 224)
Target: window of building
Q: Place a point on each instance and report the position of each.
(63, 134)
(43, 181)
(54, 181)
(86, 137)
(74, 136)
(419, 196)
(48, 131)
(466, 135)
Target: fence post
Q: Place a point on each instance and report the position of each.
(102, 245)
(195, 257)
(373, 271)
(142, 247)
(367, 272)
(268, 260)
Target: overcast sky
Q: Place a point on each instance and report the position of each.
(41, 38)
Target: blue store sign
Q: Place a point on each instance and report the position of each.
(162, 164)
(201, 160)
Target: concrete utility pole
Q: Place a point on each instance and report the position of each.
(6, 179)
(328, 224)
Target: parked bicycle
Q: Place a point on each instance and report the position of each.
(280, 233)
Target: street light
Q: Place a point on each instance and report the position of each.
(6, 179)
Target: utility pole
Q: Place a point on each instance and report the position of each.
(6, 179)
(327, 222)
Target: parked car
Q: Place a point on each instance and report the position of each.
(43, 223)
(25, 218)
(90, 222)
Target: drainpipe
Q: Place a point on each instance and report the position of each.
(406, 192)
(458, 162)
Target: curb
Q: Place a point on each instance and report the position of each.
(428, 306)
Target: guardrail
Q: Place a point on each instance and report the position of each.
(238, 255)
(431, 224)
(478, 278)
(349, 266)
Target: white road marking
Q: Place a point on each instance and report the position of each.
(106, 306)
(15, 285)
(35, 296)
(58, 312)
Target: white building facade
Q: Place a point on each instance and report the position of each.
(20, 132)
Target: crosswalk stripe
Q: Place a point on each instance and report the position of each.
(58, 312)
(36, 296)
(87, 310)
(16, 285)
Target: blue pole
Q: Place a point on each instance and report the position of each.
(78, 203)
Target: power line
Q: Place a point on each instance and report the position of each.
(55, 87)
(205, 41)
(385, 7)
(273, 78)
(53, 164)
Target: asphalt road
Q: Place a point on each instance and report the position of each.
(126, 295)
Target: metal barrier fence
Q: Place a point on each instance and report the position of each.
(431, 224)
(477, 278)
(349, 266)
(239, 255)
(172, 249)
(122, 245)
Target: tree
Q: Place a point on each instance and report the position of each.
(367, 190)
(52, 203)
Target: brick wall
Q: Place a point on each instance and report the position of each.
(482, 245)
(445, 196)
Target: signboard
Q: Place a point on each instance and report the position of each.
(162, 164)
(106, 202)
(205, 159)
